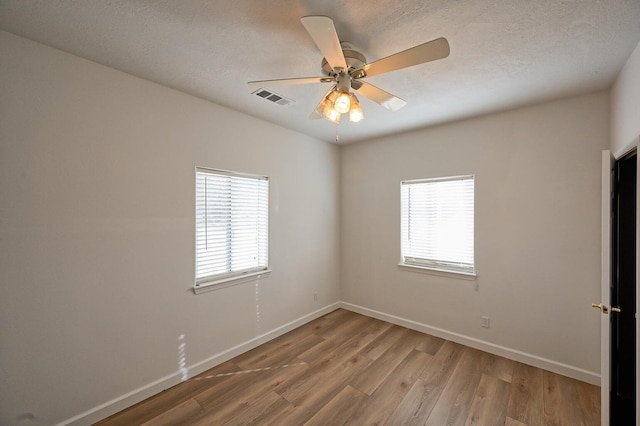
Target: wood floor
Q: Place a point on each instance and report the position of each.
(349, 369)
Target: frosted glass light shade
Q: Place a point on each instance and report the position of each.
(342, 102)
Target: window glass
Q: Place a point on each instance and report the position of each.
(437, 226)
(232, 221)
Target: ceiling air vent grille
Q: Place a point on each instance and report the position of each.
(273, 97)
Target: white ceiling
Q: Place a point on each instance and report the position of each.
(504, 53)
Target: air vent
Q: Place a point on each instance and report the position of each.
(273, 97)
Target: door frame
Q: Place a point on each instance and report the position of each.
(608, 160)
(605, 281)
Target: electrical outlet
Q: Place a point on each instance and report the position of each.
(484, 321)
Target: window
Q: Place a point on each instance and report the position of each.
(437, 224)
(232, 221)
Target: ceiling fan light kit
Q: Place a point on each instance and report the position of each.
(345, 68)
(336, 103)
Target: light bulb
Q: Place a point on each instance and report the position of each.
(342, 102)
(327, 110)
(355, 113)
(332, 115)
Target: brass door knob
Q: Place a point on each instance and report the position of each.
(603, 308)
(615, 309)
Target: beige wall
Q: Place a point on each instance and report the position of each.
(537, 230)
(97, 231)
(625, 107)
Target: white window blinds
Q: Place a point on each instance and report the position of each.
(232, 221)
(437, 223)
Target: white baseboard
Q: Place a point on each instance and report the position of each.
(120, 403)
(523, 357)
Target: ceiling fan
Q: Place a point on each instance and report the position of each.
(345, 68)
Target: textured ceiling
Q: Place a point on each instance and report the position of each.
(504, 53)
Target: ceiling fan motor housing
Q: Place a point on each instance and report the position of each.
(343, 82)
(353, 58)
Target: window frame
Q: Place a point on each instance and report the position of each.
(233, 277)
(436, 266)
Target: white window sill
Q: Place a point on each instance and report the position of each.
(441, 272)
(229, 281)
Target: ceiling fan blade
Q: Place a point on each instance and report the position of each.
(323, 33)
(379, 96)
(255, 85)
(426, 52)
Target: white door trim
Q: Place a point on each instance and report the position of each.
(605, 278)
(637, 284)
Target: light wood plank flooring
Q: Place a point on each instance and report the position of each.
(349, 369)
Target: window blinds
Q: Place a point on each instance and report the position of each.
(232, 216)
(437, 223)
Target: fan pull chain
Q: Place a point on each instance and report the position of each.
(337, 136)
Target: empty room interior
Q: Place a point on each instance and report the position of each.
(423, 225)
